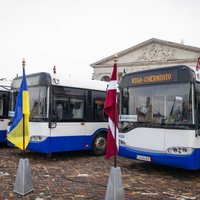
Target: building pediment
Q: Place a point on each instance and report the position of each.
(156, 52)
(150, 51)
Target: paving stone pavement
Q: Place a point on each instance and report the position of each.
(81, 176)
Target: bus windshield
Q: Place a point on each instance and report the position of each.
(158, 104)
(38, 102)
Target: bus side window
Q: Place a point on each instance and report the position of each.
(1, 107)
(99, 114)
(59, 111)
(76, 108)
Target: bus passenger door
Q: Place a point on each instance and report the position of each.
(67, 134)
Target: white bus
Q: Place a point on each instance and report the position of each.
(66, 114)
(160, 116)
(4, 107)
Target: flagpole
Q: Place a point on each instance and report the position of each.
(23, 182)
(115, 190)
(23, 65)
(115, 132)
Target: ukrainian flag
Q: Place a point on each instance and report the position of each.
(19, 130)
(124, 72)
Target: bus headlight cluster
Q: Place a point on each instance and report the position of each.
(122, 143)
(38, 138)
(180, 150)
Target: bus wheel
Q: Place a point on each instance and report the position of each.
(99, 144)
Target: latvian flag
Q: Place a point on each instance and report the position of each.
(111, 109)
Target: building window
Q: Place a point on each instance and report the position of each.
(105, 78)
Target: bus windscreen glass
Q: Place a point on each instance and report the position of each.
(158, 104)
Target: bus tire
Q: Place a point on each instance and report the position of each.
(99, 144)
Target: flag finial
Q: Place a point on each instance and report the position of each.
(23, 62)
(115, 58)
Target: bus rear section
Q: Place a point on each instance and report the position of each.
(4, 107)
(159, 117)
(66, 114)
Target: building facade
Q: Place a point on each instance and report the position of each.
(152, 53)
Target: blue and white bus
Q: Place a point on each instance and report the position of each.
(66, 113)
(160, 116)
(4, 107)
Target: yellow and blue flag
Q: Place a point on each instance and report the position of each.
(124, 72)
(19, 130)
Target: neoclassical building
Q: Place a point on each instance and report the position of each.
(152, 53)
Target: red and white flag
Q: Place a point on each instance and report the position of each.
(198, 64)
(111, 109)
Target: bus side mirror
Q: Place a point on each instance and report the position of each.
(163, 121)
(10, 122)
(197, 132)
(53, 122)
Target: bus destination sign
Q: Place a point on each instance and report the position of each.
(154, 77)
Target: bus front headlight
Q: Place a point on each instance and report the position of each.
(37, 138)
(122, 143)
(179, 150)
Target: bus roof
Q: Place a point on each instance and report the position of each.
(4, 84)
(44, 78)
(163, 68)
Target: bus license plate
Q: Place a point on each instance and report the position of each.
(144, 158)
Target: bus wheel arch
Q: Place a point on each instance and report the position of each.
(99, 143)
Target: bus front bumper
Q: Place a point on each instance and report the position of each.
(189, 162)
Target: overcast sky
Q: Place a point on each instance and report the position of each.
(72, 34)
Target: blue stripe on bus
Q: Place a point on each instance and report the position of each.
(189, 162)
(3, 135)
(60, 144)
(64, 143)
